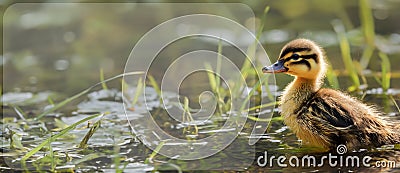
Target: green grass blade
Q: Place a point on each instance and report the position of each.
(215, 87)
(53, 137)
(187, 109)
(367, 22)
(385, 65)
(88, 157)
(154, 153)
(138, 92)
(366, 56)
(368, 29)
(90, 133)
(252, 48)
(156, 87)
(262, 106)
(247, 68)
(51, 102)
(277, 119)
(211, 77)
(19, 112)
(66, 101)
(154, 84)
(124, 85)
(258, 119)
(395, 103)
(187, 117)
(61, 104)
(51, 155)
(103, 84)
(117, 159)
(252, 91)
(332, 78)
(60, 124)
(346, 54)
(219, 64)
(16, 141)
(268, 90)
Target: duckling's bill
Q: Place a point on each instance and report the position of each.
(277, 67)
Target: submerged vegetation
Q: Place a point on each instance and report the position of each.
(91, 130)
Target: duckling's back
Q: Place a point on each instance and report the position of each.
(330, 118)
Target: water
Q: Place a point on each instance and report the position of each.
(50, 54)
(113, 140)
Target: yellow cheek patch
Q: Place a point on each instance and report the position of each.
(302, 68)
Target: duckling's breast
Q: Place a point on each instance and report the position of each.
(291, 101)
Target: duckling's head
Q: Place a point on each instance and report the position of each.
(301, 58)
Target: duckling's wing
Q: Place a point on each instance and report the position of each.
(327, 117)
(325, 128)
(329, 109)
(340, 119)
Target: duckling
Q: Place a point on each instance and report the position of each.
(321, 117)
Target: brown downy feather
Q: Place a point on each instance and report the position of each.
(324, 117)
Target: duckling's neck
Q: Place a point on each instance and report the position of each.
(296, 93)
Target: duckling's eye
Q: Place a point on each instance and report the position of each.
(295, 56)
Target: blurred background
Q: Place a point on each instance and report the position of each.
(62, 47)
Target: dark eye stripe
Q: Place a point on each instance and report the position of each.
(293, 49)
(311, 56)
(303, 62)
